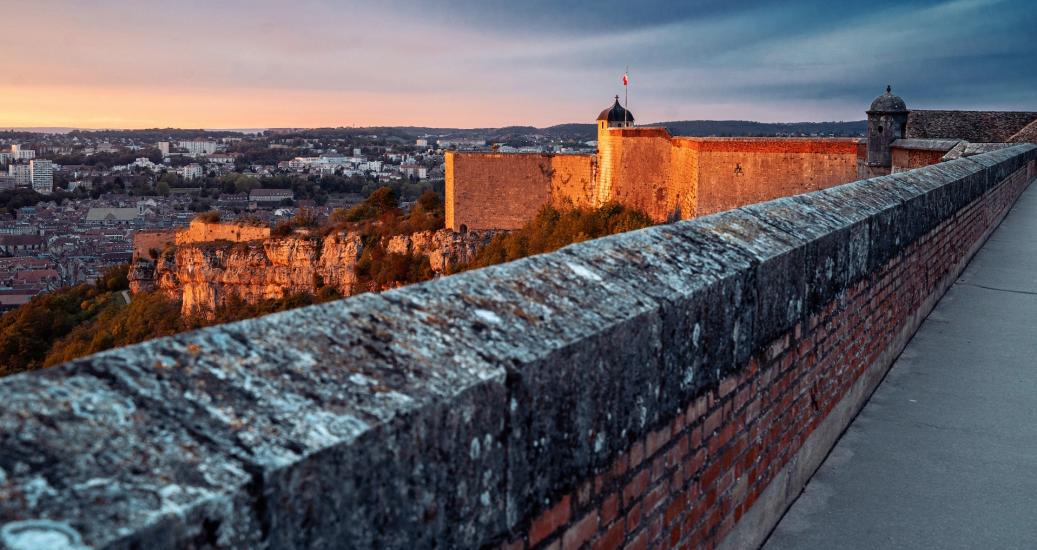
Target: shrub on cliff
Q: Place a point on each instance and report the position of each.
(552, 229)
(28, 333)
(236, 309)
(148, 315)
(380, 270)
(382, 201)
(303, 219)
(211, 216)
(427, 214)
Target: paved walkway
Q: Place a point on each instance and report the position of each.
(944, 455)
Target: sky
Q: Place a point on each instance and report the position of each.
(487, 63)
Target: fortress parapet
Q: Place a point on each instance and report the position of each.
(672, 386)
(646, 168)
(201, 231)
(673, 178)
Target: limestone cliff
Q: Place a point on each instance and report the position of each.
(204, 275)
(208, 275)
(445, 249)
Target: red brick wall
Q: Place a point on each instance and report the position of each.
(690, 480)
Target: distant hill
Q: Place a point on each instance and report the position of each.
(36, 130)
(726, 128)
(572, 131)
(588, 132)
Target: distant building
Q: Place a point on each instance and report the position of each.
(184, 190)
(192, 171)
(238, 201)
(163, 147)
(302, 163)
(198, 147)
(112, 216)
(268, 197)
(414, 170)
(41, 172)
(20, 174)
(221, 158)
(13, 299)
(146, 163)
(421, 142)
(463, 143)
(21, 153)
(332, 161)
(11, 245)
(104, 147)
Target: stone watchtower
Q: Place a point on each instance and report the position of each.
(887, 119)
(615, 116)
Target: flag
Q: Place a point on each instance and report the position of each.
(626, 79)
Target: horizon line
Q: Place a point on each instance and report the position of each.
(31, 129)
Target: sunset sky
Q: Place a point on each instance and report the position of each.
(473, 63)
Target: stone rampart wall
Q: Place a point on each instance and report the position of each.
(674, 386)
(644, 168)
(202, 232)
(737, 172)
(146, 241)
(572, 181)
(496, 190)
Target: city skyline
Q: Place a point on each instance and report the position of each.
(463, 64)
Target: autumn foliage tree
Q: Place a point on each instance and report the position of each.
(552, 229)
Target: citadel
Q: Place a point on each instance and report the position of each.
(676, 177)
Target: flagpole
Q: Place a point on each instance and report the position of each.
(626, 95)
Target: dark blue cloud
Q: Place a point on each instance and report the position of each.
(549, 61)
(791, 56)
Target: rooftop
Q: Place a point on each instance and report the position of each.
(972, 126)
(616, 113)
(888, 103)
(118, 214)
(925, 144)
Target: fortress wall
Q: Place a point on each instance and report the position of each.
(669, 387)
(200, 232)
(683, 195)
(642, 168)
(572, 181)
(735, 172)
(636, 169)
(144, 241)
(909, 159)
(501, 190)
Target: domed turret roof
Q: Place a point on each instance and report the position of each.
(616, 113)
(888, 103)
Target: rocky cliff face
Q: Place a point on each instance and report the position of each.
(445, 249)
(205, 275)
